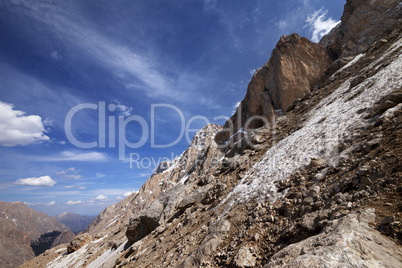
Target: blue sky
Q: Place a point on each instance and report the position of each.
(84, 83)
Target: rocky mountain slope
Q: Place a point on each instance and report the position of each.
(75, 222)
(318, 185)
(13, 241)
(165, 176)
(26, 233)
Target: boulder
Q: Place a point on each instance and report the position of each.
(78, 242)
(144, 223)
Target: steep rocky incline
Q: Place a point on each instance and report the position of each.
(26, 233)
(166, 175)
(14, 245)
(341, 243)
(320, 185)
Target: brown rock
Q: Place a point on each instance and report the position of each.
(293, 69)
(144, 223)
(363, 22)
(347, 242)
(244, 258)
(78, 242)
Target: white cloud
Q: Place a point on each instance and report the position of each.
(100, 175)
(235, 106)
(39, 181)
(101, 197)
(73, 177)
(319, 25)
(282, 24)
(71, 174)
(70, 186)
(73, 202)
(121, 108)
(16, 128)
(76, 156)
(52, 203)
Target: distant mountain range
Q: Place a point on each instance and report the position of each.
(26, 233)
(76, 222)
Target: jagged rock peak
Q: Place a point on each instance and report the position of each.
(201, 140)
(293, 69)
(362, 23)
(205, 136)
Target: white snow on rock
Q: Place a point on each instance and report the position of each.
(67, 260)
(108, 258)
(333, 118)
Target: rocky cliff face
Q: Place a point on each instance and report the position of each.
(318, 186)
(295, 66)
(29, 232)
(363, 22)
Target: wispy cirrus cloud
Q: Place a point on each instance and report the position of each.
(73, 202)
(101, 197)
(319, 25)
(70, 173)
(75, 156)
(132, 67)
(36, 181)
(17, 128)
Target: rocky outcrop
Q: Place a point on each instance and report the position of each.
(295, 66)
(345, 242)
(78, 242)
(144, 223)
(362, 23)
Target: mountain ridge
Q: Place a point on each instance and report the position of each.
(29, 232)
(75, 222)
(325, 171)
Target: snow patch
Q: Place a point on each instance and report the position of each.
(109, 256)
(100, 239)
(333, 118)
